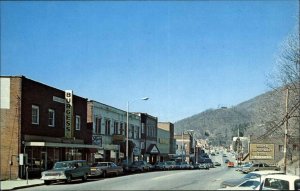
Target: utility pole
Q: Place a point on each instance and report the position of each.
(286, 131)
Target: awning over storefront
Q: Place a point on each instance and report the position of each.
(65, 145)
(153, 150)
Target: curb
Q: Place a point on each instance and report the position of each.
(21, 187)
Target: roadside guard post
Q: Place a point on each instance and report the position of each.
(27, 174)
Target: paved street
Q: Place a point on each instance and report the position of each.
(163, 180)
(160, 180)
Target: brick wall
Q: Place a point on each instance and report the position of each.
(35, 93)
(16, 121)
(10, 131)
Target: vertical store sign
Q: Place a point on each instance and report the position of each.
(68, 113)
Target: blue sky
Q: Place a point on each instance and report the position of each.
(186, 56)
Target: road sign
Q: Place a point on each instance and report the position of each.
(261, 151)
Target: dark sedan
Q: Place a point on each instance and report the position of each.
(139, 166)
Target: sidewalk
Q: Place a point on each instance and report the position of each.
(19, 183)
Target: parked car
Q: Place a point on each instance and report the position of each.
(251, 175)
(171, 165)
(244, 167)
(209, 162)
(260, 166)
(105, 168)
(160, 166)
(140, 166)
(195, 166)
(226, 160)
(217, 163)
(250, 184)
(203, 166)
(67, 171)
(182, 165)
(125, 165)
(281, 182)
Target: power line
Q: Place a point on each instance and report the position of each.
(276, 127)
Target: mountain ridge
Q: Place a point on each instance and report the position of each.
(221, 124)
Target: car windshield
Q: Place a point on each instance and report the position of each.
(250, 183)
(252, 175)
(98, 164)
(62, 165)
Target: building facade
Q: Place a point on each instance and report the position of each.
(149, 149)
(109, 126)
(39, 126)
(165, 140)
(184, 145)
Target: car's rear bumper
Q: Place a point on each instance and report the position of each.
(54, 178)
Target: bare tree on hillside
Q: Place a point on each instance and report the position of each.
(287, 76)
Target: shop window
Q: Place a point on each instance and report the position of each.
(132, 131)
(281, 148)
(97, 125)
(35, 112)
(116, 126)
(51, 115)
(107, 127)
(78, 122)
(143, 127)
(122, 129)
(137, 132)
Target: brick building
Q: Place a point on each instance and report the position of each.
(41, 123)
(184, 147)
(149, 149)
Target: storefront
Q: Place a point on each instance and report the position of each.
(152, 154)
(40, 156)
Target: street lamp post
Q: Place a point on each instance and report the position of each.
(127, 127)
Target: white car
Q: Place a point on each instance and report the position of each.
(251, 184)
(67, 171)
(251, 175)
(281, 182)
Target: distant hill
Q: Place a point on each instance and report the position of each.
(254, 116)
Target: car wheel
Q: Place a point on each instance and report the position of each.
(84, 178)
(69, 179)
(47, 182)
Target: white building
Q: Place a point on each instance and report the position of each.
(109, 131)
